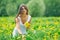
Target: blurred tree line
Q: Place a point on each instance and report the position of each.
(36, 7)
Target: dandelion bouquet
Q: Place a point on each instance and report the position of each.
(27, 24)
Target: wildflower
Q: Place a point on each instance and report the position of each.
(40, 27)
(56, 23)
(47, 22)
(52, 28)
(55, 36)
(32, 29)
(44, 38)
(48, 33)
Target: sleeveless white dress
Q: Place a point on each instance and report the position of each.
(22, 27)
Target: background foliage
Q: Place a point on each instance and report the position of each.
(36, 7)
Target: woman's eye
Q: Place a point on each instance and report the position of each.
(21, 8)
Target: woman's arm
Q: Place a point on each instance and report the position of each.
(30, 20)
(17, 25)
(29, 23)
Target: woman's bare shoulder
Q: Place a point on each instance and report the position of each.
(16, 19)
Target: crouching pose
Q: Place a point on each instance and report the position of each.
(22, 20)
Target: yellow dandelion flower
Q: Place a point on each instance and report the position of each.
(47, 22)
(32, 29)
(44, 38)
(48, 33)
(52, 28)
(40, 27)
(56, 23)
(55, 36)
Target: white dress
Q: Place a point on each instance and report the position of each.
(22, 27)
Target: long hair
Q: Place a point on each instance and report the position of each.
(20, 9)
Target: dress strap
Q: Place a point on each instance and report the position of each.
(29, 17)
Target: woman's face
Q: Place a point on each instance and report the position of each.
(23, 10)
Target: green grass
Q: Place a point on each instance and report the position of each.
(42, 28)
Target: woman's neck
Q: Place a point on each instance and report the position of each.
(23, 15)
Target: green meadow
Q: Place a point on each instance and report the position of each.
(42, 28)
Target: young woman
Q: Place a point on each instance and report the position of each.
(21, 19)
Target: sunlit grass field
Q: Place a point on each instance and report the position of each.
(42, 28)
